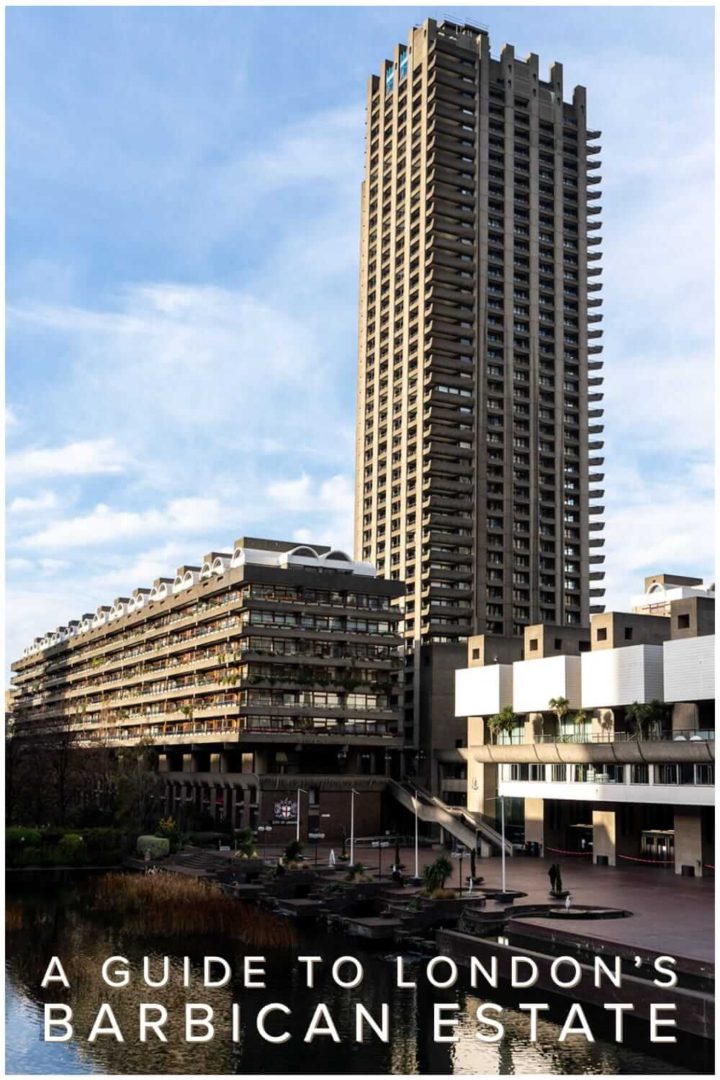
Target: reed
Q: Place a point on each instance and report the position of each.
(14, 917)
(168, 905)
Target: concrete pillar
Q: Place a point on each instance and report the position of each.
(188, 763)
(604, 840)
(685, 716)
(688, 841)
(215, 763)
(163, 765)
(534, 727)
(535, 822)
(481, 776)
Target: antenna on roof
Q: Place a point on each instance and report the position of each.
(463, 22)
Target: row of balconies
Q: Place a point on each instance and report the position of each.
(205, 611)
(235, 629)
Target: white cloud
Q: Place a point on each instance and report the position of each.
(11, 419)
(85, 458)
(328, 503)
(653, 526)
(34, 504)
(105, 525)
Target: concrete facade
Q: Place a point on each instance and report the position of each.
(602, 778)
(274, 666)
(479, 413)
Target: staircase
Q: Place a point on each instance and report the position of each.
(460, 823)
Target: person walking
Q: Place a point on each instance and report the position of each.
(558, 880)
(551, 874)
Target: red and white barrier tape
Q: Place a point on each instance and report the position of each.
(560, 851)
(655, 862)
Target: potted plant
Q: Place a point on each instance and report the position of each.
(434, 877)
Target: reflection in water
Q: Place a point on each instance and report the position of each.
(43, 926)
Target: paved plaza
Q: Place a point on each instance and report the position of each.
(670, 914)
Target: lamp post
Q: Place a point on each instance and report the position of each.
(501, 800)
(459, 854)
(502, 834)
(380, 845)
(353, 793)
(264, 829)
(297, 818)
(417, 838)
(316, 837)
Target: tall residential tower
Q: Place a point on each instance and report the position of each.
(479, 390)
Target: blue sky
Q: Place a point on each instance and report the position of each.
(182, 259)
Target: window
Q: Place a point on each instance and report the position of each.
(628, 633)
(602, 633)
(683, 622)
(558, 643)
(533, 645)
(476, 654)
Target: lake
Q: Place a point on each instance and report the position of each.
(46, 919)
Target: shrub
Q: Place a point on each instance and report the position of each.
(21, 837)
(246, 843)
(71, 849)
(107, 847)
(168, 828)
(293, 851)
(157, 846)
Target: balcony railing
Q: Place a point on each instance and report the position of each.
(679, 735)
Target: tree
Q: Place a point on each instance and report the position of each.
(505, 720)
(137, 786)
(560, 706)
(644, 718)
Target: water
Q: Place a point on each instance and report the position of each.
(57, 922)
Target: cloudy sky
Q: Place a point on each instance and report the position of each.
(182, 238)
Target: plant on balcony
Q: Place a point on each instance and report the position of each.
(646, 718)
(505, 720)
(560, 706)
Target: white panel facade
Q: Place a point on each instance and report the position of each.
(653, 794)
(690, 669)
(613, 677)
(483, 691)
(535, 682)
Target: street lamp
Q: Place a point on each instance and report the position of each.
(264, 829)
(297, 816)
(417, 839)
(353, 793)
(380, 845)
(316, 837)
(501, 800)
(459, 855)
